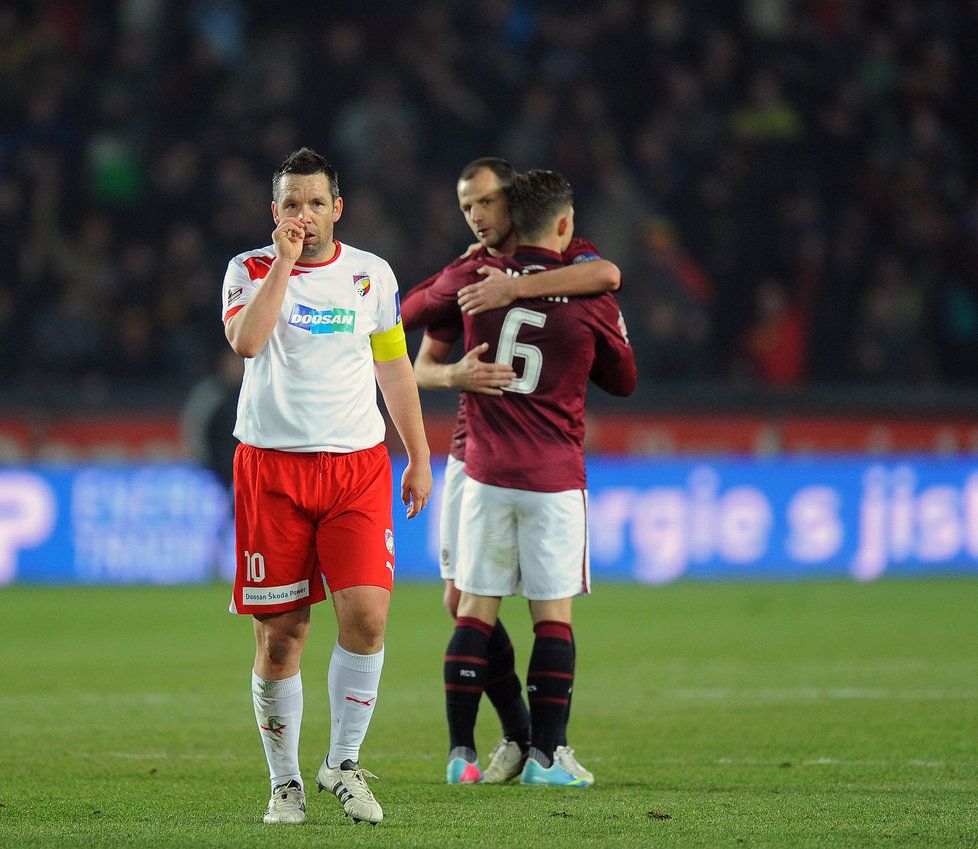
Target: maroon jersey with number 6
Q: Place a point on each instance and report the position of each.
(433, 304)
(532, 437)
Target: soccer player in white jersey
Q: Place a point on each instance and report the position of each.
(319, 325)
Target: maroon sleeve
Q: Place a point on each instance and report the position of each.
(580, 250)
(413, 302)
(614, 361)
(436, 301)
(447, 330)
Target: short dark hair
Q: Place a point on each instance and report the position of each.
(306, 161)
(502, 168)
(535, 199)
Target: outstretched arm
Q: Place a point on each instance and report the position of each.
(498, 289)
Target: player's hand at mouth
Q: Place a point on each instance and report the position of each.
(289, 237)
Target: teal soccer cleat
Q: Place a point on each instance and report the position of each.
(536, 773)
(460, 771)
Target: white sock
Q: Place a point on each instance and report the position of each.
(353, 682)
(278, 709)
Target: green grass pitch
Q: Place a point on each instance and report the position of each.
(827, 714)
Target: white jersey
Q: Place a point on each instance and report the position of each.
(312, 386)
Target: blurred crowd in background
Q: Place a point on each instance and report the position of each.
(789, 186)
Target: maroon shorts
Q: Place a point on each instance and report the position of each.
(305, 522)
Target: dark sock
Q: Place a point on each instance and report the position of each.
(466, 672)
(562, 731)
(504, 690)
(549, 682)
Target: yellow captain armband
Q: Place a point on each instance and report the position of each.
(389, 345)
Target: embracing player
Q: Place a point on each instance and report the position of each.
(482, 200)
(523, 517)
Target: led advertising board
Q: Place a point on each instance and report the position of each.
(653, 521)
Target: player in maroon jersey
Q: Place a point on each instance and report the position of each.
(483, 203)
(524, 503)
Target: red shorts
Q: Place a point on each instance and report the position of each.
(305, 522)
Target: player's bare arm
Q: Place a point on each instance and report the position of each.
(471, 374)
(498, 289)
(250, 328)
(396, 381)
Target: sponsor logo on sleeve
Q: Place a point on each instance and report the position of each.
(234, 294)
(397, 307)
(589, 257)
(322, 321)
(361, 282)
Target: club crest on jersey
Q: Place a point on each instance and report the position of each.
(361, 282)
(322, 321)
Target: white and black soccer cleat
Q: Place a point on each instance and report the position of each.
(348, 783)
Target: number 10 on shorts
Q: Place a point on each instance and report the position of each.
(256, 567)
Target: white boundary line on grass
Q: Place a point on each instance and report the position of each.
(814, 694)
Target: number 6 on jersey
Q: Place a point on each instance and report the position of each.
(509, 348)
